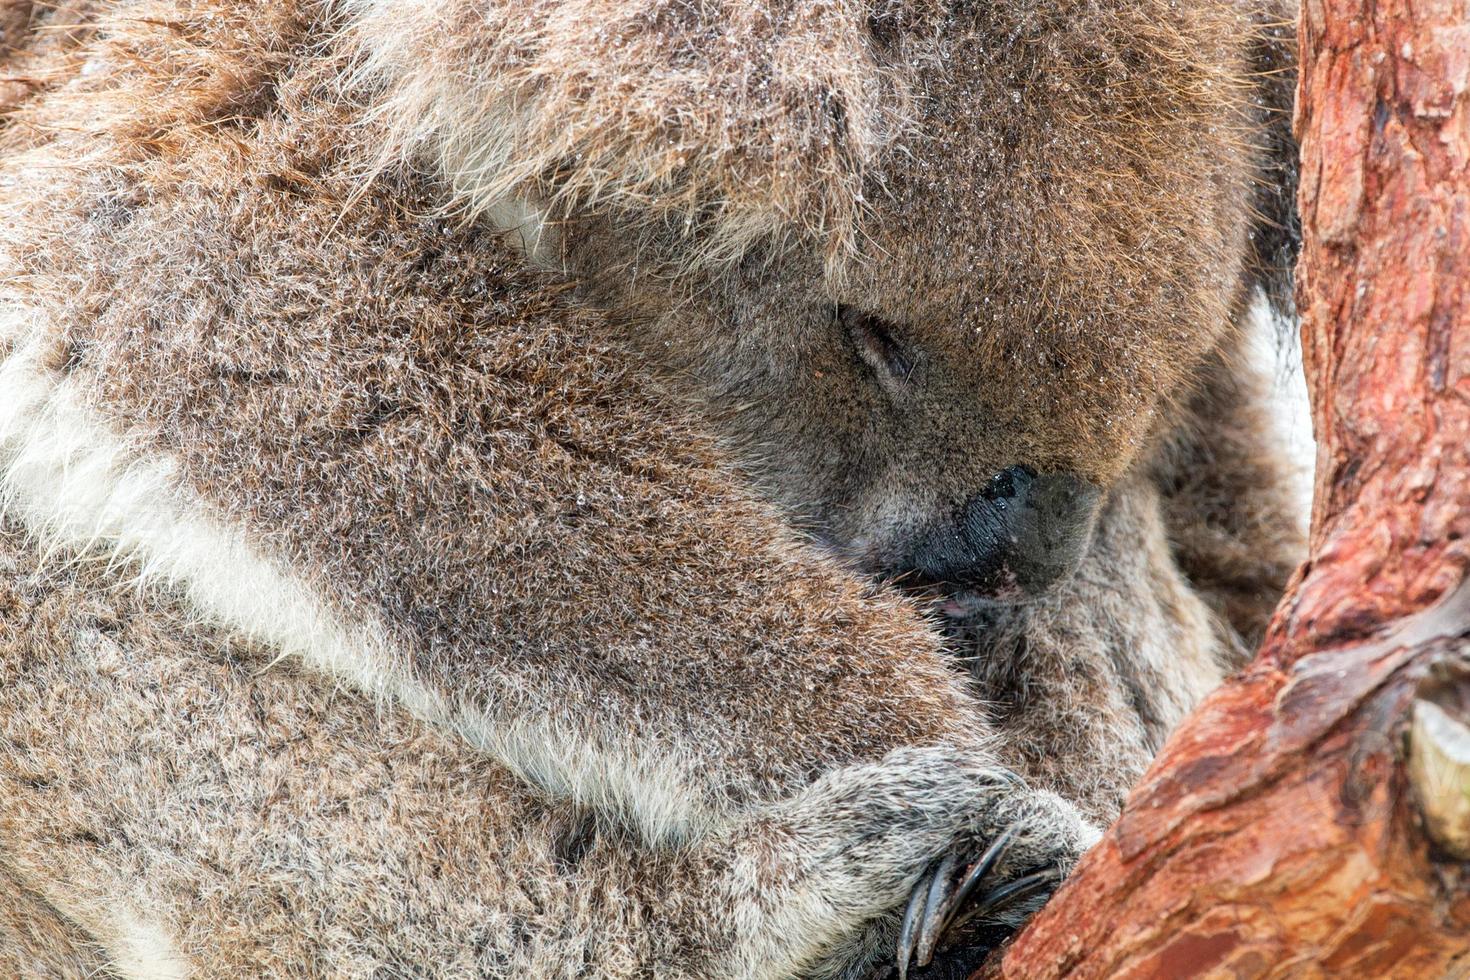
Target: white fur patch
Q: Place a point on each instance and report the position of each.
(82, 488)
(142, 950)
(527, 229)
(79, 487)
(654, 794)
(1276, 348)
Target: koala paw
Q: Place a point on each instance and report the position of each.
(986, 887)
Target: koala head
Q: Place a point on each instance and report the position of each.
(938, 272)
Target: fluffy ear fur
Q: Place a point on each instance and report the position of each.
(1276, 239)
(743, 120)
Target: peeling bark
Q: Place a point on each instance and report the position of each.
(1302, 822)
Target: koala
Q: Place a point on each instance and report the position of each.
(568, 489)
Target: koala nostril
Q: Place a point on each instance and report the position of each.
(1008, 484)
(1023, 531)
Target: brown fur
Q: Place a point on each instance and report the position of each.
(568, 493)
(289, 828)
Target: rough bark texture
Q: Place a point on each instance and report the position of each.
(1282, 831)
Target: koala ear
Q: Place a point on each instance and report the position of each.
(743, 119)
(1276, 237)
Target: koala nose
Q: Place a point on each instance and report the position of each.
(1020, 534)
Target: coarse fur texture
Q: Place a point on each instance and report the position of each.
(452, 467)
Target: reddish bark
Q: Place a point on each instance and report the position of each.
(1280, 832)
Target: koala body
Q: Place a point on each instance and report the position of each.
(554, 489)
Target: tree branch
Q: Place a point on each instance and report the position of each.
(1312, 817)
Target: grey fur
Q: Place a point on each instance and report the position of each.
(594, 522)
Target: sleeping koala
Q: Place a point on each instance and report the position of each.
(779, 471)
(964, 290)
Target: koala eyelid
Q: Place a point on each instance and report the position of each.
(875, 343)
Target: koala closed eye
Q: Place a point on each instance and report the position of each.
(873, 339)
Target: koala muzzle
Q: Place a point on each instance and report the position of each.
(1016, 537)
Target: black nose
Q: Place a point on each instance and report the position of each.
(1020, 534)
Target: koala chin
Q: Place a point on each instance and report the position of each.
(558, 489)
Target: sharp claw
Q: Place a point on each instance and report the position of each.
(1012, 891)
(936, 911)
(932, 911)
(906, 932)
(982, 867)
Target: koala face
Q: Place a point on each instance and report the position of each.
(922, 439)
(938, 271)
(1044, 257)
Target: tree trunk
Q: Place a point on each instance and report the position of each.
(1312, 818)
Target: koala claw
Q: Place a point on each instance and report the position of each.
(1038, 883)
(937, 904)
(922, 908)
